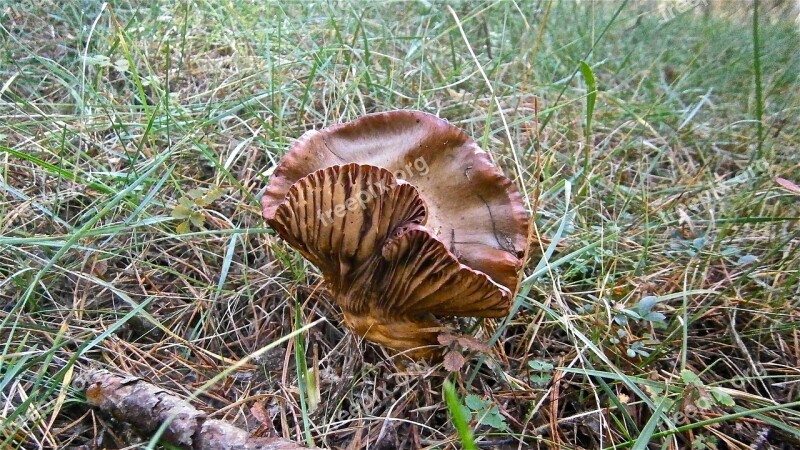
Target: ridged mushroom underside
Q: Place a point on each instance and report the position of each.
(366, 232)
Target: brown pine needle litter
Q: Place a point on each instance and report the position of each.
(654, 145)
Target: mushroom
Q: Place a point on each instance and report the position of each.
(407, 219)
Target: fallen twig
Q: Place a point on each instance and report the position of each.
(135, 401)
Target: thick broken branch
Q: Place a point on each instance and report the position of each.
(135, 401)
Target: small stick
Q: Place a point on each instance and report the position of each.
(146, 406)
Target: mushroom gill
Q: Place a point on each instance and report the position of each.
(406, 218)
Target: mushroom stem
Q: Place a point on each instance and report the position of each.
(413, 338)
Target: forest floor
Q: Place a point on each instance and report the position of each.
(660, 305)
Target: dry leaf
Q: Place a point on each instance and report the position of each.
(470, 343)
(453, 361)
(260, 414)
(446, 338)
(787, 185)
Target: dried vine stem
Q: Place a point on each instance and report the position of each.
(135, 401)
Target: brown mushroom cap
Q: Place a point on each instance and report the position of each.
(472, 208)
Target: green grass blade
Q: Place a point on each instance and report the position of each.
(460, 421)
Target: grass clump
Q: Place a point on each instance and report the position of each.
(660, 306)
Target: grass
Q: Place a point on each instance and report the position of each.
(659, 308)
